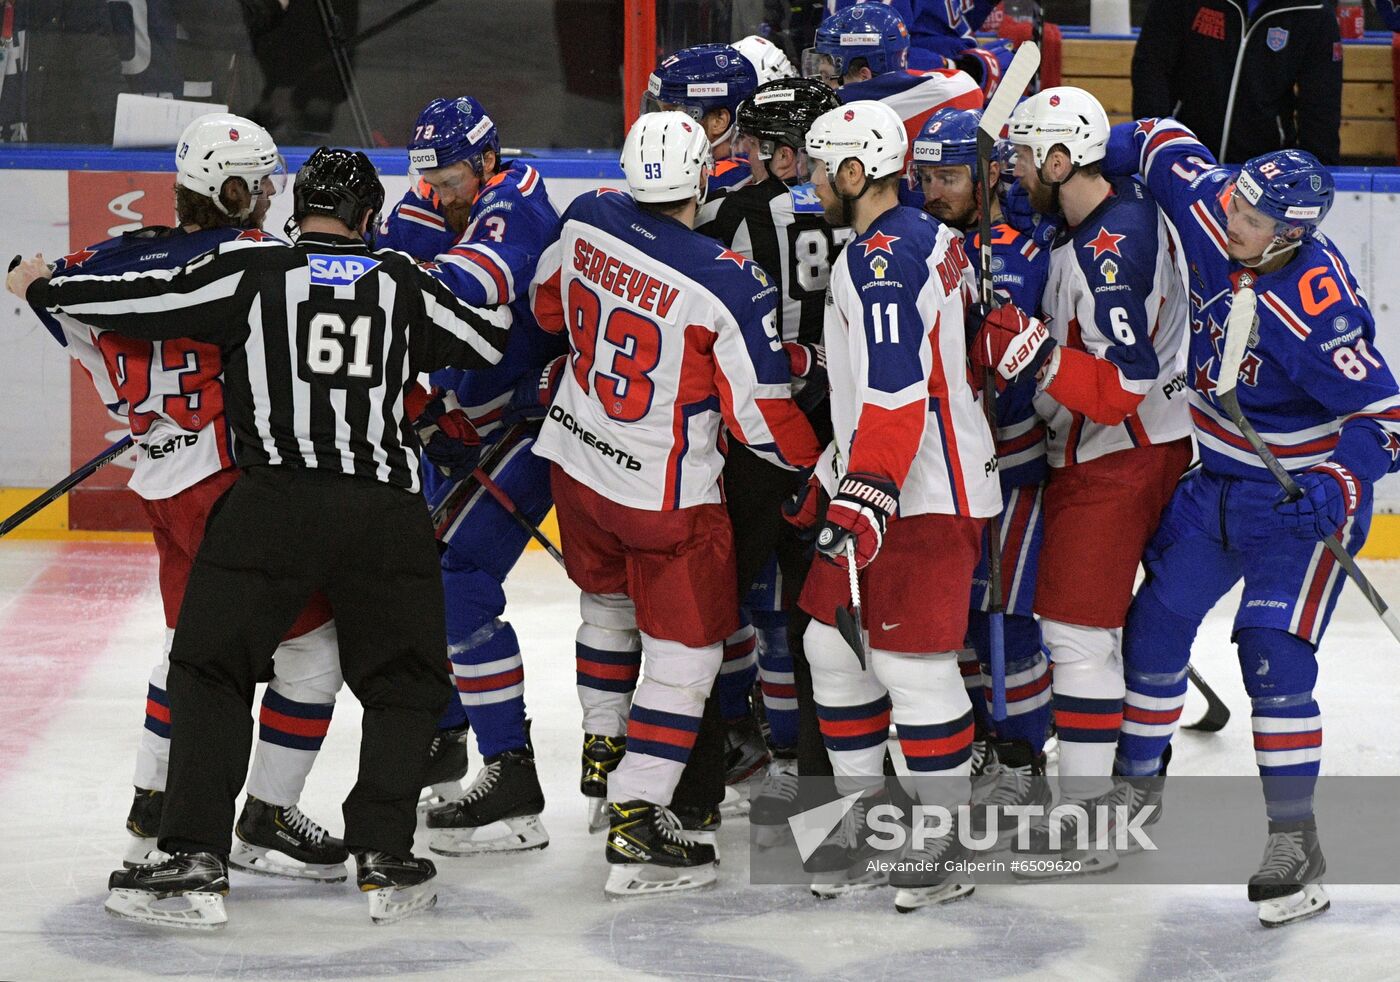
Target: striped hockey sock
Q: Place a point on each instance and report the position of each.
(776, 679)
(738, 672)
(490, 677)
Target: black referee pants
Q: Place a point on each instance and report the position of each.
(279, 534)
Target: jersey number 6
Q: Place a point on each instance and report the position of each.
(626, 392)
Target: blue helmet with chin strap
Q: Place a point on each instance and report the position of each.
(871, 31)
(452, 130)
(1290, 186)
(949, 137)
(699, 79)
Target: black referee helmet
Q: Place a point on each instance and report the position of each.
(780, 112)
(339, 184)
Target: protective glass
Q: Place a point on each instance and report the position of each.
(818, 65)
(651, 104)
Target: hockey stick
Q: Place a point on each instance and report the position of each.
(521, 519)
(63, 486)
(460, 493)
(1238, 327)
(1018, 75)
(1217, 714)
(848, 621)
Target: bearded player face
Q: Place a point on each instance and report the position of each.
(456, 187)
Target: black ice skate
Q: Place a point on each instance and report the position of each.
(651, 854)
(1016, 777)
(1059, 848)
(506, 791)
(397, 887)
(601, 755)
(776, 800)
(143, 822)
(745, 754)
(447, 766)
(700, 823)
(274, 841)
(185, 890)
(847, 862)
(922, 877)
(1286, 887)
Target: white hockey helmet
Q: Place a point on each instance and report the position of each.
(666, 157)
(218, 146)
(869, 131)
(1064, 116)
(766, 57)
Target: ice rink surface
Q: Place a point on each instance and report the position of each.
(80, 627)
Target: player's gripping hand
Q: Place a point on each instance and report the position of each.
(534, 393)
(803, 508)
(808, 366)
(1015, 345)
(987, 64)
(23, 273)
(1331, 494)
(449, 439)
(859, 511)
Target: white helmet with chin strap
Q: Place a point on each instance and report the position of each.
(865, 130)
(666, 157)
(219, 146)
(1063, 116)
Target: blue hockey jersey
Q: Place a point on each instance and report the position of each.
(1312, 381)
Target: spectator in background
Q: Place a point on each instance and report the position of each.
(61, 72)
(1247, 76)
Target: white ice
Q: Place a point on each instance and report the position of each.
(80, 627)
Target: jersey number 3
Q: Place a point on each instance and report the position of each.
(625, 392)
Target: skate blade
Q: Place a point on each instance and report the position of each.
(438, 795)
(861, 881)
(270, 862)
(736, 801)
(645, 880)
(1307, 902)
(598, 820)
(388, 905)
(186, 911)
(143, 852)
(521, 835)
(1090, 864)
(909, 899)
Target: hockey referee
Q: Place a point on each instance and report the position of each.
(321, 341)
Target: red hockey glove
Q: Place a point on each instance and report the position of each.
(534, 393)
(449, 439)
(1331, 494)
(809, 380)
(802, 509)
(862, 504)
(1012, 343)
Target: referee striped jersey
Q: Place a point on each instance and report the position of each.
(783, 229)
(320, 342)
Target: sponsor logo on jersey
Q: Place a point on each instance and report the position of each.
(703, 89)
(997, 264)
(591, 439)
(1108, 269)
(339, 270)
(155, 451)
(1277, 38)
(638, 288)
(1339, 324)
(759, 274)
(878, 265)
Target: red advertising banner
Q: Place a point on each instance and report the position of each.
(102, 204)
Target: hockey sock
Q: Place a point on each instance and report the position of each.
(454, 715)
(490, 678)
(153, 753)
(933, 721)
(1280, 670)
(971, 671)
(738, 672)
(665, 718)
(609, 659)
(1088, 703)
(776, 678)
(295, 715)
(1156, 650)
(1027, 677)
(853, 709)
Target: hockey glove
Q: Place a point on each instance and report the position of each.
(1331, 494)
(1015, 345)
(534, 393)
(808, 367)
(449, 439)
(859, 511)
(986, 64)
(802, 509)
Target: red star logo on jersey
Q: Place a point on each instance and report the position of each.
(430, 266)
(1145, 127)
(253, 235)
(734, 257)
(880, 242)
(1105, 241)
(1203, 382)
(602, 191)
(77, 258)
(1392, 446)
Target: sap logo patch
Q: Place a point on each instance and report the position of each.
(339, 270)
(805, 200)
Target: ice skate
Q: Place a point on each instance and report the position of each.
(143, 822)
(651, 854)
(185, 891)
(775, 802)
(1286, 887)
(1060, 856)
(922, 877)
(506, 794)
(601, 754)
(745, 752)
(397, 887)
(274, 841)
(447, 766)
(1016, 778)
(700, 823)
(846, 862)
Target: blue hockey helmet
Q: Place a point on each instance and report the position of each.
(1290, 186)
(949, 137)
(699, 79)
(871, 31)
(451, 130)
